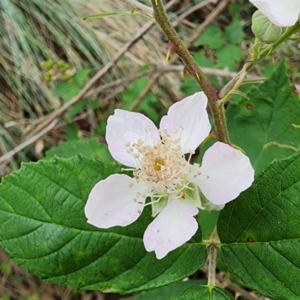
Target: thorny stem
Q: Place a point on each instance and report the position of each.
(191, 66)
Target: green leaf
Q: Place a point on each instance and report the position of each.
(204, 293)
(265, 126)
(42, 211)
(189, 86)
(203, 61)
(208, 221)
(212, 37)
(150, 104)
(260, 233)
(81, 77)
(228, 56)
(60, 89)
(170, 291)
(234, 32)
(133, 92)
(72, 132)
(89, 147)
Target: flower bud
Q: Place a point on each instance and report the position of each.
(264, 29)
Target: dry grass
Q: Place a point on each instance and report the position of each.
(31, 39)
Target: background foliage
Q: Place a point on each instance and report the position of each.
(48, 53)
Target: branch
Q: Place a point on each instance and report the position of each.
(209, 19)
(49, 118)
(191, 66)
(28, 142)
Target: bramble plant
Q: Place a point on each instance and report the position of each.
(135, 225)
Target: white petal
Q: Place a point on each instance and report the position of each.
(188, 119)
(125, 126)
(116, 201)
(280, 12)
(173, 227)
(224, 174)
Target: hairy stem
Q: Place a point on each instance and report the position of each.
(191, 66)
(212, 262)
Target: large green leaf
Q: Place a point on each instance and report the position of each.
(265, 125)
(45, 231)
(171, 291)
(89, 147)
(204, 293)
(260, 232)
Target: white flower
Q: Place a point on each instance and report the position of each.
(280, 12)
(160, 171)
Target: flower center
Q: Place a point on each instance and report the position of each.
(158, 164)
(163, 166)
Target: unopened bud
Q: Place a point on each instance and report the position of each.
(264, 29)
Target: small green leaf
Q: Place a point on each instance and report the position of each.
(228, 56)
(61, 89)
(46, 232)
(234, 32)
(266, 126)
(150, 103)
(89, 147)
(72, 132)
(204, 293)
(202, 60)
(81, 77)
(260, 235)
(212, 37)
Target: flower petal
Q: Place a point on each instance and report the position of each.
(125, 126)
(281, 13)
(116, 201)
(188, 120)
(224, 174)
(173, 227)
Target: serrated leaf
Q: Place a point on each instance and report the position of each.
(260, 235)
(204, 293)
(234, 32)
(88, 147)
(42, 211)
(171, 291)
(203, 61)
(228, 56)
(212, 37)
(81, 77)
(265, 125)
(150, 103)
